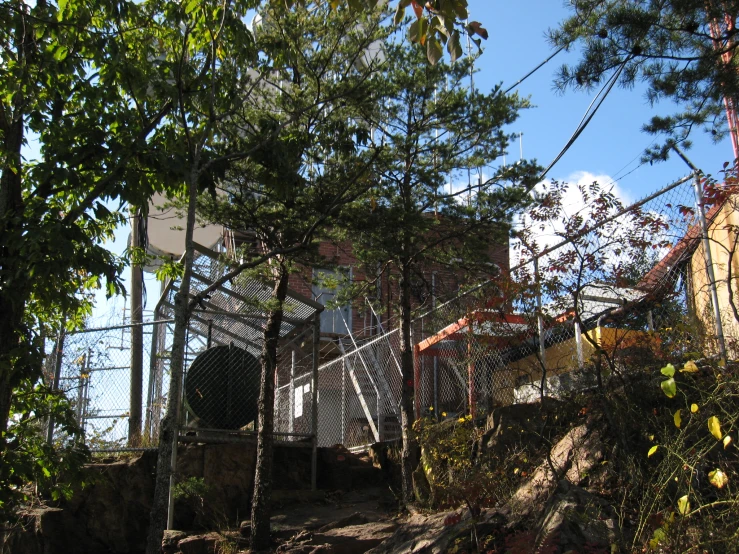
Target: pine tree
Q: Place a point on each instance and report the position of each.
(306, 164)
(684, 50)
(432, 126)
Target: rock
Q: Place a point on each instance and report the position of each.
(170, 540)
(354, 519)
(424, 533)
(575, 520)
(571, 458)
(349, 539)
(200, 544)
(192, 545)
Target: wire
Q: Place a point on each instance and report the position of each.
(587, 117)
(530, 73)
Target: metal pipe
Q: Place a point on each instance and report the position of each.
(343, 400)
(578, 342)
(314, 395)
(540, 329)
(436, 358)
(58, 358)
(698, 189)
(291, 402)
(137, 338)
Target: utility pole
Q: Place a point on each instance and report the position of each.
(137, 336)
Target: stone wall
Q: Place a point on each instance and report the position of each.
(111, 514)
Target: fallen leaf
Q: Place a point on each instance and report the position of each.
(668, 370)
(652, 450)
(727, 441)
(690, 367)
(677, 419)
(694, 408)
(718, 478)
(714, 426)
(669, 387)
(683, 505)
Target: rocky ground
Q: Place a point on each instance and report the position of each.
(552, 510)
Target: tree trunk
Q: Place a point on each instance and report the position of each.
(168, 431)
(260, 530)
(408, 387)
(14, 289)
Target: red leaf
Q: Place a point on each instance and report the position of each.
(417, 8)
(477, 29)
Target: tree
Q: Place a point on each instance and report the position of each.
(71, 84)
(685, 51)
(306, 165)
(433, 126)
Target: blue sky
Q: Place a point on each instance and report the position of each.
(613, 141)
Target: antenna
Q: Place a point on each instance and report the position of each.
(520, 141)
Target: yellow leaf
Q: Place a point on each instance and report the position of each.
(683, 505)
(714, 426)
(690, 367)
(678, 420)
(694, 408)
(652, 450)
(727, 441)
(718, 478)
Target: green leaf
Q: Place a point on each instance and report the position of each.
(433, 50)
(652, 451)
(714, 426)
(418, 31)
(669, 387)
(454, 47)
(683, 505)
(60, 53)
(400, 11)
(668, 370)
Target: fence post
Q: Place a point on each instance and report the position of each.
(578, 343)
(58, 358)
(314, 400)
(137, 339)
(291, 392)
(343, 400)
(698, 189)
(540, 328)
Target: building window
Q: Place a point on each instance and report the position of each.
(326, 283)
(299, 395)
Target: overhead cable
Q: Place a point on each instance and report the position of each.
(587, 117)
(530, 73)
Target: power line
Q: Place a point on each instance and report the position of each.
(530, 73)
(587, 117)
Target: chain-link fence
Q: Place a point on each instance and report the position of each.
(94, 371)
(586, 296)
(591, 292)
(225, 334)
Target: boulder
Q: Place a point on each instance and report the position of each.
(576, 520)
